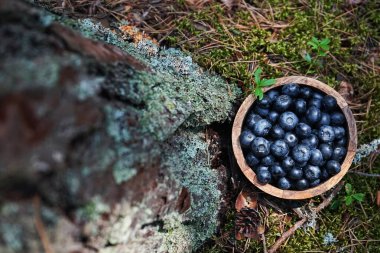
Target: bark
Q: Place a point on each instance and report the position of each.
(105, 144)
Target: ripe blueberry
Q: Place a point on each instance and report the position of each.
(260, 147)
(291, 89)
(325, 119)
(339, 132)
(300, 106)
(326, 151)
(262, 128)
(314, 102)
(313, 115)
(251, 160)
(251, 120)
(305, 92)
(282, 103)
(312, 172)
(317, 95)
(273, 116)
(295, 173)
(288, 163)
(315, 182)
(339, 153)
(284, 183)
(277, 132)
(263, 112)
(341, 142)
(333, 167)
(326, 134)
(277, 171)
(264, 177)
(279, 148)
(264, 103)
(325, 175)
(311, 142)
(290, 139)
(302, 184)
(316, 157)
(329, 103)
(288, 121)
(303, 130)
(337, 119)
(301, 153)
(246, 138)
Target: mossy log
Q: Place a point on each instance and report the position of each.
(104, 140)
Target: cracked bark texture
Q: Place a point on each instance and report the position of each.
(110, 135)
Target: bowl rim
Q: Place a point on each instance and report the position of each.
(292, 194)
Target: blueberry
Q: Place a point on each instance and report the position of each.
(325, 175)
(264, 103)
(263, 112)
(277, 171)
(312, 172)
(262, 128)
(305, 92)
(288, 163)
(272, 95)
(329, 103)
(311, 142)
(268, 160)
(316, 157)
(333, 167)
(326, 151)
(264, 177)
(291, 89)
(303, 130)
(315, 182)
(326, 134)
(251, 120)
(277, 132)
(295, 173)
(246, 138)
(251, 160)
(317, 95)
(325, 119)
(313, 115)
(290, 139)
(284, 183)
(260, 147)
(339, 154)
(288, 120)
(337, 119)
(300, 106)
(282, 103)
(341, 142)
(339, 132)
(301, 164)
(314, 102)
(302, 184)
(273, 116)
(279, 148)
(301, 153)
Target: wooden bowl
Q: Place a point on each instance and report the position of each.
(290, 194)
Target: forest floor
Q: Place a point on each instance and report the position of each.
(234, 38)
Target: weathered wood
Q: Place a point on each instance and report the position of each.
(289, 194)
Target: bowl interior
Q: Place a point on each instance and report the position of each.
(292, 194)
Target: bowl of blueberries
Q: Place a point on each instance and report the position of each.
(298, 141)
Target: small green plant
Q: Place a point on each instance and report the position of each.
(261, 83)
(349, 197)
(320, 47)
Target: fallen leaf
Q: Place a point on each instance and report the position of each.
(378, 198)
(229, 3)
(346, 90)
(246, 199)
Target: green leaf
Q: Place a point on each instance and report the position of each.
(257, 75)
(349, 200)
(324, 42)
(313, 44)
(348, 188)
(307, 57)
(267, 82)
(315, 40)
(335, 204)
(358, 196)
(322, 53)
(259, 93)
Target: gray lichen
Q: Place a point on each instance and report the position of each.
(365, 150)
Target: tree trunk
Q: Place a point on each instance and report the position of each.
(105, 144)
